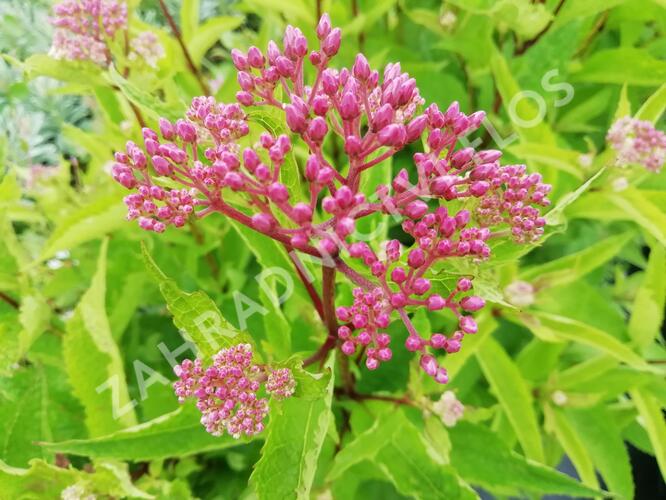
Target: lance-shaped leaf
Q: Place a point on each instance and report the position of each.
(93, 362)
(653, 421)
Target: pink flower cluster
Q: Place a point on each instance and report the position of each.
(86, 29)
(372, 117)
(638, 142)
(227, 391)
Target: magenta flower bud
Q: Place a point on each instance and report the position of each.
(234, 180)
(349, 107)
(413, 343)
(250, 159)
(382, 320)
(285, 67)
(416, 209)
(302, 213)
(152, 146)
(245, 98)
(255, 58)
(488, 156)
(320, 105)
(361, 68)
(398, 300)
(441, 377)
(378, 268)
(441, 185)
(295, 119)
(262, 222)
(371, 363)
(435, 302)
(278, 192)
(468, 325)
(245, 81)
(437, 341)
(472, 303)
(421, 286)
(364, 337)
(453, 111)
(452, 346)
(382, 117)
(324, 26)
(359, 250)
(299, 240)
(317, 129)
(385, 354)
(329, 205)
(435, 139)
(462, 157)
(330, 81)
(348, 347)
(239, 60)
(315, 58)
(344, 196)
(327, 246)
(353, 145)
(149, 134)
(343, 314)
(331, 43)
(262, 172)
(166, 129)
(398, 275)
(416, 258)
(462, 218)
(464, 284)
(416, 128)
(162, 166)
(186, 131)
(272, 51)
(429, 364)
(383, 340)
(479, 188)
(311, 168)
(345, 227)
(393, 135)
(475, 119)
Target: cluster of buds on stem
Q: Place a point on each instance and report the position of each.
(227, 392)
(87, 30)
(638, 142)
(453, 203)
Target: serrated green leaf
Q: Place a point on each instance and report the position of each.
(176, 434)
(93, 362)
(294, 440)
(482, 459)
(195, 314)
(514, 396)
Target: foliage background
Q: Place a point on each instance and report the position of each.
(578, 373)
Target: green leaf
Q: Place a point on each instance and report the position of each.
(572, 267)
(555, 214)
(195, 314)
(514, 396)
(653, 420)
(90, 222)
(482, 458)
(562, 159)
(294, 440)
(147, 102)
(603, 441)
(176, 434)
(404, 456)
(622, 65)
(206, 35)
(81, 72)
(644, 212)
(44, 481)
(578, 9)
(572, 445)
(93, 362)
(647, 312)
(551, 327)
(189, 18)
(654, 107)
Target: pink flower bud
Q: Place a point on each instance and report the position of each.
(162, 166)
(295, 119)
(302, 213)
(464, 284)
(245, 98)
(441, 376)
(371, 363)
(472, 303)
(348, 347)
(349, 107)
(468, 325)
(436, 302)
(437, 341)
(331, 43)
(382, 117)
(413, 343)
(421, 286)
(186, 131)
(416, 128)
(361, 68)
(317, 129)
(416, 209)
(278, 192)
(245, 81)
(320, 105)
(393, 135)
(255, 58)
(416, 258)
(398, 300)
(285, 67)
(429, 364)
(239, 60)
(311, 168)
(324, 26)
(353, 145)
(330, 82)
(345, 227)
(263, 222)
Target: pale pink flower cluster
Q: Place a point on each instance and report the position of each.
(198, 166)
(638, 142)
(227, 391)
(449, 408)
(86, 29)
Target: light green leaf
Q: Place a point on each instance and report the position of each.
(654, 107)
(587, 370)
(404, 456)
(562, 159)
(644, 212)
(81, 72)
(603, 441)
(102, 216)
(294, 440)
(653, 421)
(205, 36)
(555, 214)
(93, 362)
(550, 326)
(572, 445)
(513, 394)
(578, 9)
(481, 458)
(622, 65)
(572, 267)
(647, 312)
(195, 314)
(189, 18)
(176, 434)
(623, 105)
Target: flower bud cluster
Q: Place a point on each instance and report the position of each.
(227, 391)
(86, 30)
(638, 142)
(372, 115)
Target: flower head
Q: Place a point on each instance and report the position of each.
(637, 142)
